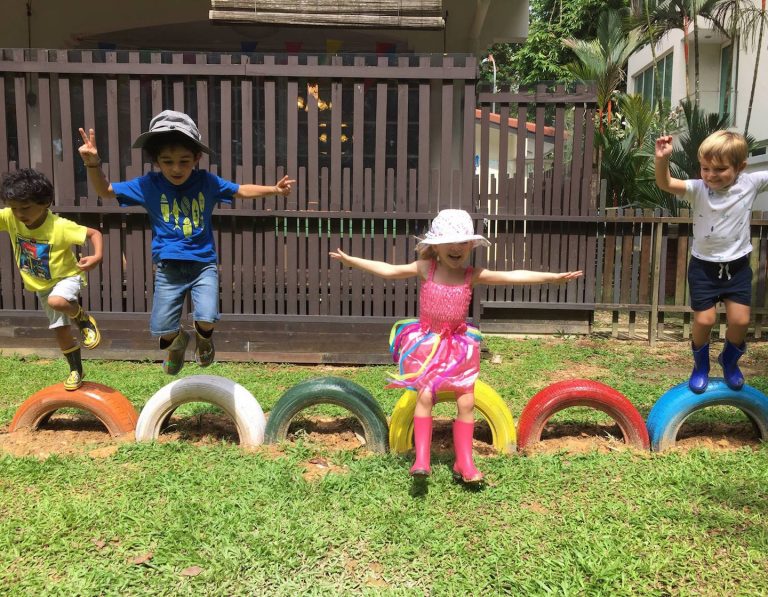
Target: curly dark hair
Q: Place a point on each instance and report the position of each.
(26, 184)
(157, 143)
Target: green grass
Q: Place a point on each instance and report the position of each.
(624, 523)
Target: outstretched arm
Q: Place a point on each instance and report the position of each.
(254, 191)
(377, 268)
(664, 179)
(88, 262)
(522, 276)
(92, 162)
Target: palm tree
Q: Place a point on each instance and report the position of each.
(602, 59)
(628, 158)
(757, 65)
(656, 18)
(684, 161)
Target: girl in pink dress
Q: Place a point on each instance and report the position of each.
(439, 351)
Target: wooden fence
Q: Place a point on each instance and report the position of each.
(378, 145)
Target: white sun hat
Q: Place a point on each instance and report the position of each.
(452, 226)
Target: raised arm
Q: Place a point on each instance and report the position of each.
(254, 191)
(377, 268)
(522, 276)
(664, 179)
(92, 162)
(88, 262)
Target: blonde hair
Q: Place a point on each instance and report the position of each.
(724, 147)
(427, 252)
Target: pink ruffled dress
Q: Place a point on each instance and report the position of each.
(439, 350)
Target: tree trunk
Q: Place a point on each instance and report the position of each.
(695, 55)
(757, 65)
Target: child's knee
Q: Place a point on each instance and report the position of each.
(465, 403)
(59, 303)
(705, 318)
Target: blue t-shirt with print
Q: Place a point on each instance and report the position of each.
(180, 215)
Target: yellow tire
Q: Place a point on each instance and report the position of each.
(487, 401)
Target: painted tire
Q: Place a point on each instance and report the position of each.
(330, 390)
(670, 411)
(231, 397)
(581, 392)
(107, 404)
(487, 401)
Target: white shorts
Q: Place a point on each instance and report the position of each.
(66, 288)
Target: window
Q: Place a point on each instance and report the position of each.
(644, 82)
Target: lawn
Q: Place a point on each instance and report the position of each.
(197, 515)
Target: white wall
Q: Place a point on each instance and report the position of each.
(710, 45)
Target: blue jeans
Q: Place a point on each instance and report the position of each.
(173, 279)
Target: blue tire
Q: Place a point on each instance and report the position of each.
(671, 410)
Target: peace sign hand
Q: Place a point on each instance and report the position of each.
(88, 150)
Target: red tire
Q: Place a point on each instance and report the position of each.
(107, 404)
(581, 392)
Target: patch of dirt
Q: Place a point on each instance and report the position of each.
(586, 438)
(328, 432)
(65, 434)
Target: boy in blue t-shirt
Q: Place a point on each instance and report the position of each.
(179, 200)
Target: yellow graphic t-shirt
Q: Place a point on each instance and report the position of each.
(44, 255)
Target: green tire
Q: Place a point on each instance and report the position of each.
(330, 390)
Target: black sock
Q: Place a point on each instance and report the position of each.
(73, 358)
(204, 334)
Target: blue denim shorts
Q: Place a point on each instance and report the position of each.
(173, 279)
(711, 282)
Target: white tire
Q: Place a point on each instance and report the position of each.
(231, 397)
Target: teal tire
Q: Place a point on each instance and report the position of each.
(673, 407)
(330, 390)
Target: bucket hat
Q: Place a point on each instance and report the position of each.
(169, 121)
(452, 226)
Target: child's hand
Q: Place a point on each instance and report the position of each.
(283, 186)
(339, 255)
(664, 147)
(88, 150)
(88, 262)
(564, 277)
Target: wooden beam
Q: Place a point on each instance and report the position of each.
(352, 20)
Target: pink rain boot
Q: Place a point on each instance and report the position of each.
(422, 438)
(464, 468)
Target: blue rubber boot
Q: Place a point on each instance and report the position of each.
(700, 374)
(728, 360)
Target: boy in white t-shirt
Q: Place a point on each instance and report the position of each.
(719, 269)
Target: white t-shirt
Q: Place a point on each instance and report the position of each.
(721, 218)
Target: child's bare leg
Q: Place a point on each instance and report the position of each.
(64, 337)
(422, 434)
(463, 432)
(423, 403)
(87, 324)
(702, 327)
(738, 316)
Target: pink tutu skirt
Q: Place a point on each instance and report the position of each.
(447, 361)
